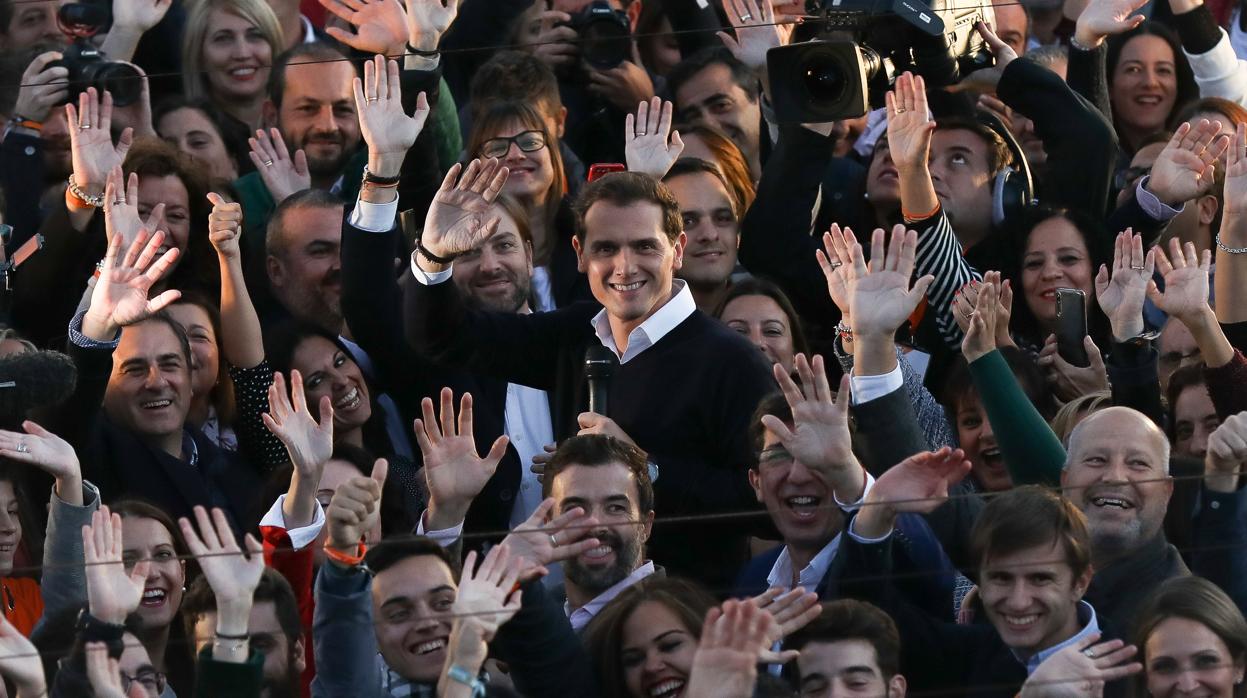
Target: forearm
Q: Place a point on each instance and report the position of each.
(940, 255)
(241, 335)
(121, 42)
(468, 651)
(232, 618)
(64, 582)
(873, 355)
(1209, 337)
(917, 190)
(1032, 453)
(1230, 281)
(299, 507)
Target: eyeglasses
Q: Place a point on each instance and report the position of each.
(775, 456)
(528, 141)
(152, 681)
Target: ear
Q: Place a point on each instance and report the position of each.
(299, 656)
(678, 249)
(897, 687)
(1083, 582)
(634, 14)
(581, 265)
(647, 520)
(755, 481)
(276, 271)
(562, 120)
(1208, 206)
(268, 113)
(528, 257)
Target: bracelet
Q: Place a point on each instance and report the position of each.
(423, 54)
(222, 636)
(458, 674)
(16, 121)
(230, 645)
(844, 332)
(1229, 250)
(424, 252)
(84, 198)
(344, 559)
(375, 180)
(910, 217)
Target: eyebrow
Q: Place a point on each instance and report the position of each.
(658, 638)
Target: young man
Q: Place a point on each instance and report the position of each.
(851, 649)
(688, 413)
(712, 225)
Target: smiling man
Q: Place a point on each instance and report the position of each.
(712, 226)
(689, 414)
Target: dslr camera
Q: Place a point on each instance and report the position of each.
(864, 45)
(87, 66)
(605, 35)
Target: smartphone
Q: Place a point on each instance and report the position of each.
(1071, 318)
(601, 169)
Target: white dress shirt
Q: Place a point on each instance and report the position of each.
(581, 616)
(654, 328)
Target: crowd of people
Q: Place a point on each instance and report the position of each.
(389, 348)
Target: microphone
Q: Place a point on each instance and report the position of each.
(33, 380)
(600, 364)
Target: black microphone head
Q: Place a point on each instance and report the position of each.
(600, 362)
(33, 380)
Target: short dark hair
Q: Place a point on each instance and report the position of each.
(593, 450)
(706, 57)
(1029, 517)
(514, 76)
(314, 52)
(1181, 380)
(391, 551)
(625, 189)
(775, 405)
(999, 156)
(693, 166)
(850, 619)
(200, 600)
(275, 234)
(164, 318)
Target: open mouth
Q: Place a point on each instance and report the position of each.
(992, 457)
(598, 554)
(1148, 100)
(804, 507)
(349, 401)
(155, 404)
(667, 689)
(636, 285)
(1021, 622)
(430, 646)
(1112, 503)
(153, 598)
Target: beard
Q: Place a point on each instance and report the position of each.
(510, 303)
(287, 685)
(319, 166)
(596, 580)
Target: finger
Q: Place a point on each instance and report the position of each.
(447, 412)
(380, 469)
(429, 419)
(465, 414)
(207, 532)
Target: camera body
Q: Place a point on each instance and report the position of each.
(87, 66)
(866, 44)
(605, 34)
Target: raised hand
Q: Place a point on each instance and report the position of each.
(121, 208)
(792, 609)
(103, 672)
(980, 338)
(356, 508)
(880, 297)
(540, 542)
(380, 25)
(43, 87)
(646, 145)
(1185, 168)
(1234, 195)
(819, 437)
(1067, 380)
(919, 484)
(233, 573)
(1003, 52)
(1082, 669)
(91, 143)
(282, 174)
(966, 300)
(453, 470)
(753, 22)
(1185, 272)
(428, 20)
(309, 443)
(1227, 452)
(20, 662)
(386, 128)
(112, 594)
(836, 261)
(120, 294)
(1120, 291)
(1104, 18)
(459, 218)
(139, 15)
(909, 125)
(488, 595)
(225, 227)
(734, 639)
(48, 452)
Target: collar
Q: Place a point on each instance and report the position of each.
(809, 577)
(677, 309)
(190, 449)
(581, 616)
(1086, 616)
(309, 31)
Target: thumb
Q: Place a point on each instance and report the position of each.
(498, 450)
(216, 199)
(379, 471)
(677, 144)
(1093, 353)
(777, 427)
(300, 162)
(140, 571)
(34, 429)
(339, 34)
(326, 412)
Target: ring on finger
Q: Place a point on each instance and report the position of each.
(554, 543)
(746, 17)
(22, 447)
(1138, 267)
(371, 99)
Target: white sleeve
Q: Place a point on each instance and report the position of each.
(427, 278)
(300, 538)
(1219, 72)
(444, 537)
(867, 388)
(374, 218)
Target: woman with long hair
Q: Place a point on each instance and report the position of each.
(1193, 641)
(227, 53)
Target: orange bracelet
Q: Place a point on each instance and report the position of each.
(342, 558)
(909, 217)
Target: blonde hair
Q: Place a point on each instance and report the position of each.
(1073, 411)
(257, 12)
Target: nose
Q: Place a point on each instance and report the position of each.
(324, 119)
(1187, 681)
(799, 474)
(755, 336)
(155, 380)
(1199, 442)
(653, 662)
(514, 154)
(1151, 76)
(1051, 270)
(489, 261)
(625, 262)
(986, 430)
(706, 231)
(1019, 598)
(8, 522)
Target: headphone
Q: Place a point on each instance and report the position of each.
(1014, 188)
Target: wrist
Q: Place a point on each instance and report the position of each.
(422, 43)
(1162, 195)
(99, 329)
(875, 519)
(233, 615)
(1127, 330)
(442, 516)
(386, 164)
(69, 489)
(1085, 39)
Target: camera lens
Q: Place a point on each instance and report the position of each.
(606, 44)
(122, 80)
(825, 80)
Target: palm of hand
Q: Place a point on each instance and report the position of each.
(820, 436)
(308, 443)
(128, 299)
(908, 137)
(1179, 174)
(1235, 191)
(229, 571)
(485, 604)
(108, 586)
(727, 670)
(455, 470)
(55, 455)
(460, 216)
(380, 26)
(910, 488)
(1186, 292)
(880, 302)
(390, 130)
(1124, 295)
(426, 15)
(93, 154)
(755, 41)
(649, 153)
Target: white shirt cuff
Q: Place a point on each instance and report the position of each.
(427, 278)
(868, 541)
(300, 538)
(1153, 206)
(445, 537)
(867, 388)
(854, 506)
(374, 218)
